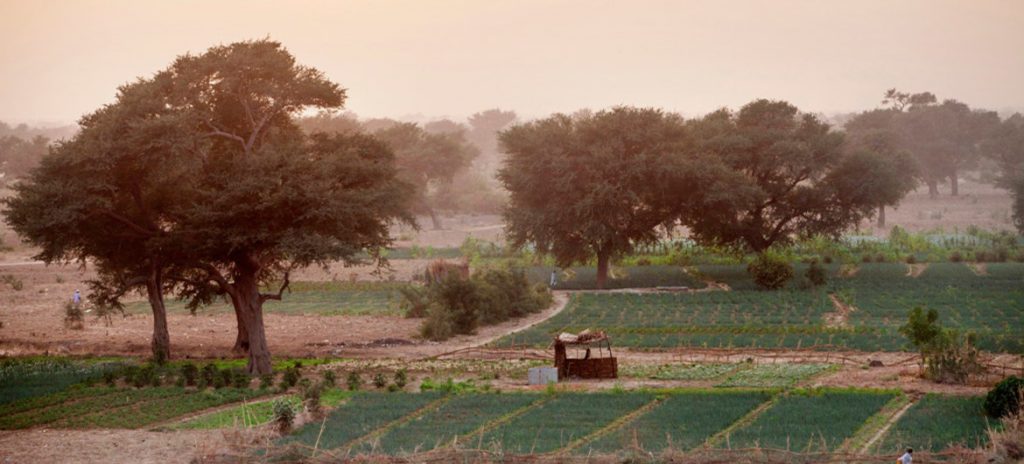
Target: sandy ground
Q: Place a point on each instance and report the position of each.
(108, 446)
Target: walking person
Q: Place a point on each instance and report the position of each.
(907, 457)
(77, 298)
(554, 279)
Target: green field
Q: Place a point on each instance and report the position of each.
(681, 421)
(562, 420)
(585, 277)
(937, 422)
(809, 421)
(319, 298)
(459, 416)
(107, 407)
(361, 415)
(991, 306)
(31, 377)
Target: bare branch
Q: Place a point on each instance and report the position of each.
(284, 285)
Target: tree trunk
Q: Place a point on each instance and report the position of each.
(161, 344)
(933, 188)
(242, 336)
(250, 312)
(954, 184)
(434, 219)
(602, 269)
(881, 216)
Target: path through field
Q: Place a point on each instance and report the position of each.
(109, 446)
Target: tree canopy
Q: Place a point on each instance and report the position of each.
(591, 185)
(248, 195)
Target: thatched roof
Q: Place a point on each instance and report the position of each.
(583, 338)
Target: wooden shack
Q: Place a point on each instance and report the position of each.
(592, 356)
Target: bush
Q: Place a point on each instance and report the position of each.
(354, 381)
(290, 377)
(911, 259)
(865, 258)
(415, 301)
(222, 379)
(311, 399)
(240, 379)
(955, 257)
(74, 318)
(283, 415)
(329, 378)
(9, 279)
(1004, 400)
(816, 274)
(189, 372)
(770, 271)
(379, 380)
(266, 381)
(949, 357)
(401, 379)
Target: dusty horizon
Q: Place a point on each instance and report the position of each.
(421, 60)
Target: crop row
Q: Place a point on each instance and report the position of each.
(800, 420)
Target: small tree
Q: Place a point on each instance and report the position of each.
(948, 355)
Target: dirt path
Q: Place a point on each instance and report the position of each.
(978, 268)
(885, 428)
(109, 446)
(915, 270)
(841, 316)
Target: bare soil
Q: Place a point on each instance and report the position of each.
(109, 446)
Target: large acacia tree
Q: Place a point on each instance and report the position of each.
(594, 185)
(792, 177)
(259, 196)
(107, 195)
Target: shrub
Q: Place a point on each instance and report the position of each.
(415, 301)
(827, 259)
(949, 356)
(110, 378)
(240, 379)
(15, 283)
(209, 371)
(1004, 400)
(880, 258)
(290, 377)
(770, 271)
(189, 372)
(911, 259)
(329, 378)
(379, 380)
(311, 399)
(865, 258)
(955, 257)
(266, 381)
(222, 378)
(145, 375)
(354, 381)
(816, 274)
(74, 318)
(401, 379)
(283, 415)
(458, 306)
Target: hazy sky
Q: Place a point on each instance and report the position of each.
(60, 59)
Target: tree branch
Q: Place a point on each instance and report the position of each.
(284, 285)
(128, 222)
(216, 276)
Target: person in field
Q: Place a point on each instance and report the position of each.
(554, 279)
(907, 457)
(77, 298)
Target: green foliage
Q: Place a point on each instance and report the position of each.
(23, 378)
(240, 379)
(329, 377)
(379, 380)
(415, 300)
(290, 377)
(816, 274)
(354, 381)
(922, 329)
(189, 372)
(448, 386)
(1005, 398)
(266, 381)
(401, 378)
(283, 415)
(948, 355)
(773, 375)
(491, 296)
(770, 271)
